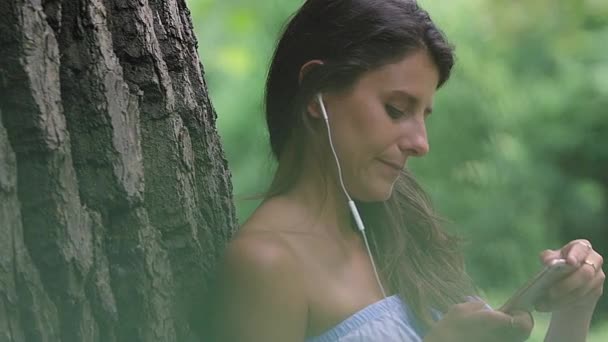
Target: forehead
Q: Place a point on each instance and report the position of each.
(415, 74)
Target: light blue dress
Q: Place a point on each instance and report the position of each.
(388, 320)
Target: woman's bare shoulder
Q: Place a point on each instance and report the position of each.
(258, 248)
(277, 215)
(262, 239)
(259, 290)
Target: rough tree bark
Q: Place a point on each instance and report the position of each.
(115, 197)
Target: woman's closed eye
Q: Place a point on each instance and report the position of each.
(393, 112)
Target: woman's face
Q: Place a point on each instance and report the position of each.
(380, 122)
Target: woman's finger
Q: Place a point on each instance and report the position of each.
(582, 296)
(576, 251)
(523, 323)
(548, 255)
(595, 260)
(578, 279)
(581, 286)
(516, 326)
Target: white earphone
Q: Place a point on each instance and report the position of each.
(351, 203)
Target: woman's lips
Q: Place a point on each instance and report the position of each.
(393, 165)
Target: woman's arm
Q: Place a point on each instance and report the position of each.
(569, 326)
(259, 295)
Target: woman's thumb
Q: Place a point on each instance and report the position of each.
(548, 254)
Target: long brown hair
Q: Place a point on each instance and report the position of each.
(416, 257)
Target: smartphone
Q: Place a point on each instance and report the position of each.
(527, 295)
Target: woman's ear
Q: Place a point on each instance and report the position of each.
(312, 108)
(307, 67)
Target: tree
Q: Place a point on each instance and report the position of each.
(115, 197)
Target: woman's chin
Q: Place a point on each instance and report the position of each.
(379, 193)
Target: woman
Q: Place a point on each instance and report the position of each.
(349, 88)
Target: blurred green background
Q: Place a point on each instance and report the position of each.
(519, 136)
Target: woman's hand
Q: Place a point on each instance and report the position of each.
(474, 321)
(579, 290)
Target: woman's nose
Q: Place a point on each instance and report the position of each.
(414, 139)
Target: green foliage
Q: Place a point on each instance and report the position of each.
(519, 136)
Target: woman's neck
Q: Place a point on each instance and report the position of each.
(325, 203)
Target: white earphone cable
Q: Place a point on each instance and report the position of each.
(351, 203)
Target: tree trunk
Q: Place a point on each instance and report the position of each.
(115, 197)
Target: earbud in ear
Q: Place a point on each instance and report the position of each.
(322, 105)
